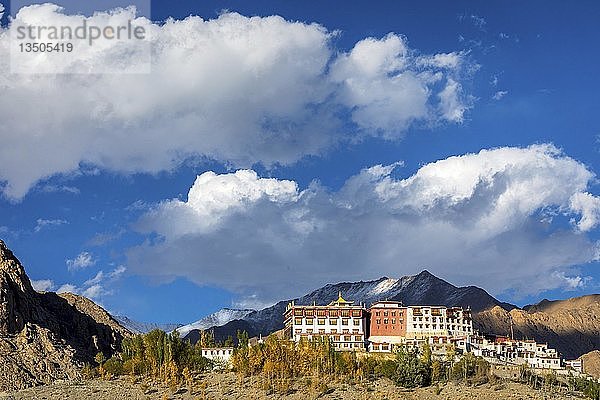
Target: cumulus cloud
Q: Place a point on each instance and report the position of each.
(235, 89)
(473, 219)
(82, 261)
(43, 285)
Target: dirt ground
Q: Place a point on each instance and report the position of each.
(230, 386)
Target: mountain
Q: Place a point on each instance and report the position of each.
(423, 288)
(218, 318)
(46, 336)
(571, 326)
(144, 327)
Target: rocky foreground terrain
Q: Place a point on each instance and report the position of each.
(230, 386)
(46, 336)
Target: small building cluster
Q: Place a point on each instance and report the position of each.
(535, 355)
(388, 324)
(221, 356)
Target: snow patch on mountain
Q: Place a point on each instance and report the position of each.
(219, 318)
(384, 286)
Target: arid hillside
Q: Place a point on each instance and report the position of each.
(572, 326)
(46, 336)
(591, 363)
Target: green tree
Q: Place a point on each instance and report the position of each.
(412, 371)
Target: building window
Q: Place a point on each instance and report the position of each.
(393, 321)
(357, 322)
(358, 338)
(344, 322)
(334, 331)
(309, 321)
(385, 313)
(298, 321)
(347, 338)
(378, 321)
(333, 321)
(377, 313)
(321, 321)
(393, 313)
(386, 321)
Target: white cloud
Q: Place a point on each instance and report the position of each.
(68, 288)
(82, 261)
(588, 206)
(213, 197)
(388, 88)
(59, 188)
(94, 291)
(473, 219)
(569, 282)
(43, 285)
(239, 90)
(476, 20)
(451, 104)
(499, 94)
(42, 223)
(96, 287)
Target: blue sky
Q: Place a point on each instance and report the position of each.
(527, 77)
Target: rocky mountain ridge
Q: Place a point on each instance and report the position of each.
(571, 326)
(218, 318)
(423, 288)
(46, 336)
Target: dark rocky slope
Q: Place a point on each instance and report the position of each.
(46, 336)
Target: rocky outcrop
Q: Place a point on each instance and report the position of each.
(571, 326)
(591, 363)
(46, 336)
